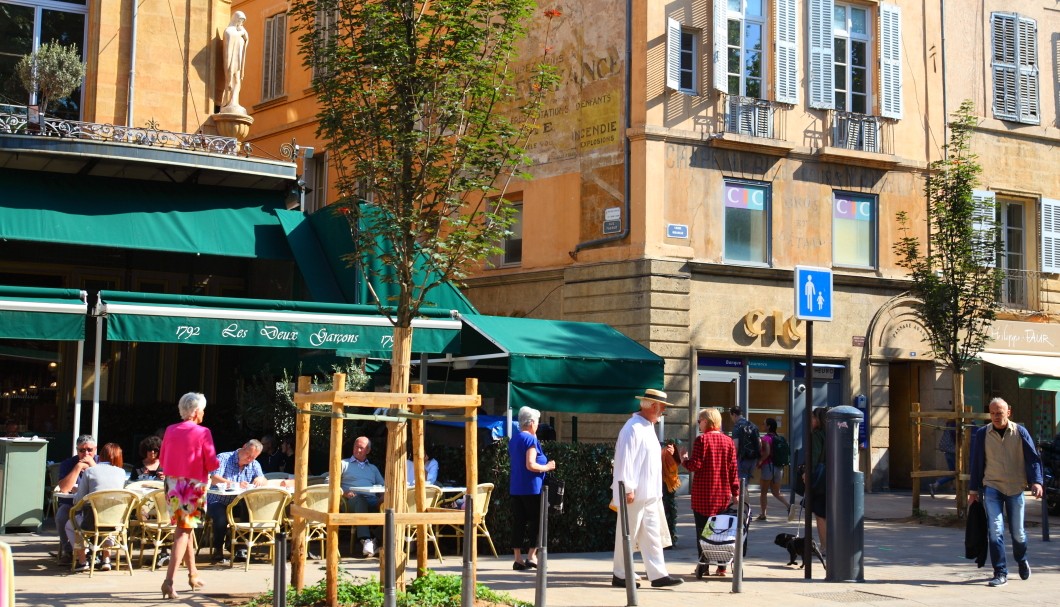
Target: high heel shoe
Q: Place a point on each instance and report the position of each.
(195, 582)
(167, 590)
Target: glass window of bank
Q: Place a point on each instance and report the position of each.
(854, 230)
(747, 229)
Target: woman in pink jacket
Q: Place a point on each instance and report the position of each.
(188, 456)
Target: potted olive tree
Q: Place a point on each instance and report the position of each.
(53, 72)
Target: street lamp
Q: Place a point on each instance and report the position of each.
(298, 155)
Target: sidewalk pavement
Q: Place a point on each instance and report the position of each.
(905, 562)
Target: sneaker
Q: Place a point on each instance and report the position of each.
(220, 560)
(82, 567)
(368, 548)
(999, 579)
(931, 490)
(664, 582)
(163, 560)
(241, 556)
(761, 517)
(105, 565)
(1025, 569)
(618, 582)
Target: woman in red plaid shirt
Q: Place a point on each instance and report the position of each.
(715, 484)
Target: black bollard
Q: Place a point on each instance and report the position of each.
(389, 564)
(846, 497)
(542, 550)
(627, 547)
(737, 566)
(279, 571)
(467, 587)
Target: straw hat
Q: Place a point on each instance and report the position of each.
(657, 396)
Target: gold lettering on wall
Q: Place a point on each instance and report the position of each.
(771, 327)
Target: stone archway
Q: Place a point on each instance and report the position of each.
(901, 370)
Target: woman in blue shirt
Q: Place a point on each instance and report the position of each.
(529, 466)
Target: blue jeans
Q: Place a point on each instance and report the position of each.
(361, 503)
(998, 507)
(951, 465)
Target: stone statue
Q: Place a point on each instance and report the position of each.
(235, 55)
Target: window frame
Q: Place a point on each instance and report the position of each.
(1002, 213)
(1015, 68)
(851, 38)
(502, 259)
(274, 57)
(316, 180)
(682, 57)
(742, 20)
(874, 229)
(767, 215)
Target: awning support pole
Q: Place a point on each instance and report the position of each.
(79, 377)
(96, 380)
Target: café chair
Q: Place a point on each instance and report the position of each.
(481, 504)
(154, 524)
(434, 494)
(51, 482)
(265, 508)
(145, 487)
(105, 520)
(316, 498)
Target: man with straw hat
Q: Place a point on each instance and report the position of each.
(638, 464)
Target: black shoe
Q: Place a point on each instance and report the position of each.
(931, 489)
(163, 560)
(82, 567)
(669, 580)
(220, 560)
(618, 582)
(530, 564)
(1025, 569)
(312, 556)
(998, 580)
(519, 566)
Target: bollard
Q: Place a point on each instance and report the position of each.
(737, 565)
(627, 548)
(389, 565)
(1044, 501)
(467, 586)
(846, 497)
(542, 550)
(279, 571)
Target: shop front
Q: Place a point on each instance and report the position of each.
(1021, 363)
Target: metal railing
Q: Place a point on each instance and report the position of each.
(1014, 288)
(754, 117)
(14, 120)
(861, 132)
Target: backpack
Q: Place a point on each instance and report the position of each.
(750, 440)
(781, 451)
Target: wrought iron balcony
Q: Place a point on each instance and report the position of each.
(1014, 292)
(753, 117)
(14, 120)
(861, 132)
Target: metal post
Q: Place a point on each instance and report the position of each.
(627, 547)
(737, 566)
(542, 550)
(389, 565)
(846, 497)
(807, 439)
(1045, 514)
(467, 586)
(279, 571)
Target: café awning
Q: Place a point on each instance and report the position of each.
(1035, 372)
(45, 314)
(225, 321)
(555, 365)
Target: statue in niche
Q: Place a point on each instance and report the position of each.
(235, 55)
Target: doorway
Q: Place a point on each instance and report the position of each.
(909, 382)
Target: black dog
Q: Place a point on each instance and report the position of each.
(795, 546)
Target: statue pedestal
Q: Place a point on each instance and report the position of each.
(233, 125)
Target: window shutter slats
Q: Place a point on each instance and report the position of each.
(721, 22)
(1014, 52)
(890, 61)
(822, 89)
(266, 60)
(673, 54)
(1027, 58)
(787, 45)
(984, 221)
(1050, 236)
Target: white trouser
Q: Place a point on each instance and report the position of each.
(646, 521)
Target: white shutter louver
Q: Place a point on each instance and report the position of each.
(1027, 59)
(787, 45)
(984, 221)
(1050, 236)
(822, 63)
(1003, 63)
(720, 63)
(673, 54)
(890, 61)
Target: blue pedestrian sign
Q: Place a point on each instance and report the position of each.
(813, 293)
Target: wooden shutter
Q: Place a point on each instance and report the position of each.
(822, 62)
(890, 61)
(673, 54)
(267, 60)
(1003, 64)
(1050, 236)
(787, 43)
(1027, 60)
(721, 29)
(984, 220)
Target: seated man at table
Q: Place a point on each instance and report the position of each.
(107, 473)
(359, 472)
(241, 469)
(70, 470)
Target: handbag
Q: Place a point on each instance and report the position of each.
(556, 488)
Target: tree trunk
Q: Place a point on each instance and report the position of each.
(959, 484)
(396, 448)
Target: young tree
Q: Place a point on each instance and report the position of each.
(955, 277)
(53, 72)
(419, 112)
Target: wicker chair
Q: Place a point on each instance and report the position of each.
(434, 494)
(109, 523)
(154, 525)
(265, 515)
(482, 504)
(316, 498)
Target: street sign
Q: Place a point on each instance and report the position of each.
(813, 293)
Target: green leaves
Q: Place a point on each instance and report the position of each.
(53, 72)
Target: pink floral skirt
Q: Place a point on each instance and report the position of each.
(187, 501)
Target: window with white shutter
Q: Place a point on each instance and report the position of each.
(984, 222)
(1050, 236)
(1014, 62)
(890, 61)
(680, 58)
(745, 56)
(787, 57)
(720, 60)
(822, 89)
(274, 60)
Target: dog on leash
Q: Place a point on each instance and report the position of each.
(795, 546)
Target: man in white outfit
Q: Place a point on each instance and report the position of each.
(638, 464)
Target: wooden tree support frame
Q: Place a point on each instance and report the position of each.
(417, 403)
(960, 473)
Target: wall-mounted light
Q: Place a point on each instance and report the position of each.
(52, 365)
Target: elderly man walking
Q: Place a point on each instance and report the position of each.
(638, 464)
(1003, 462)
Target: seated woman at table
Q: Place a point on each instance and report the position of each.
(430, 468)
(106, 474)
(150, 469)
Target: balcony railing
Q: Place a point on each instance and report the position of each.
(1014, 292)
(14, 120)
(861, 132)
(753, 117)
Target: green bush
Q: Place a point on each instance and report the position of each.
(430, 590)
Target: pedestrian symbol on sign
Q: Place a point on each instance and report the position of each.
(813, 293)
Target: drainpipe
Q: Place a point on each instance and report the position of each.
(132, 67)
(628, 85)
(945, 108)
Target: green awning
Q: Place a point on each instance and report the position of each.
(314, 264)
(224, 321)
(555, 365)
(45, 314)
(1035, 372)
(40, 206)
